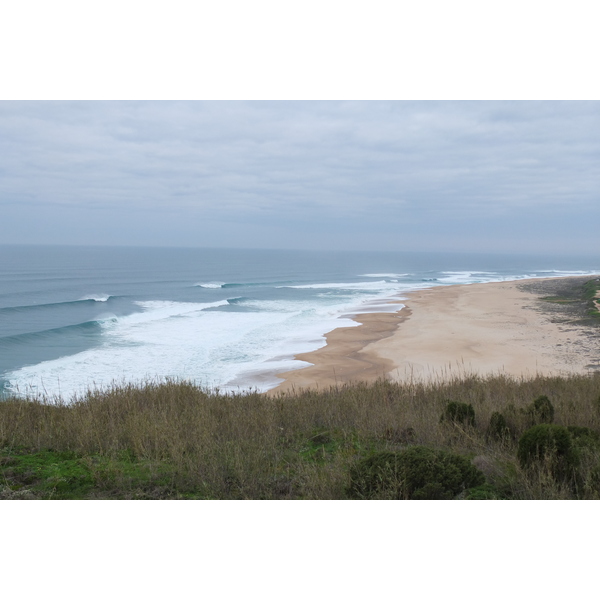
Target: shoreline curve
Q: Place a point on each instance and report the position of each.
(445, 331)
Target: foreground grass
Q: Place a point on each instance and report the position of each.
(175, 440)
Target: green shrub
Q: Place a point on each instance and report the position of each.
(584, 435)
(498, 427)
(541, 411)
(459, 412)
(416, 473)
(484, 492)
(587, 443)
(551, 445)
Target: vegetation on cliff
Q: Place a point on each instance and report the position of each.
(470, 438)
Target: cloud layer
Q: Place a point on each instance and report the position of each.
(381, 175)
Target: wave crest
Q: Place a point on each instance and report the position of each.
(210, 285)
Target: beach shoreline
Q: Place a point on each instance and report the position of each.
(447, 331)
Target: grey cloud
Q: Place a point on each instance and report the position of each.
(282, 167)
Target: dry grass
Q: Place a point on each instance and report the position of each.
(183, 442)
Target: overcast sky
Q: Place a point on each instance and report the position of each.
(489, 176)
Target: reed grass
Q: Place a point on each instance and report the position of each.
(173, 439)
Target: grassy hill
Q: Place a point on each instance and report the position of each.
(172, 440)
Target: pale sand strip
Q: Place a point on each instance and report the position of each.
(485, 329)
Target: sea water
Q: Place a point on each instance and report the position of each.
(75, 318)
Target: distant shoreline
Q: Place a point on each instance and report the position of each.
(445, 331)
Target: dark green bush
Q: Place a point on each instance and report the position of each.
(498, 427)
(484, 492)
(459, 412)
(541, 411)
(551, 445)
(587, 443)
(584, 435)
(416, 473)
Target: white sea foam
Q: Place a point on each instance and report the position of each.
(212, 285)
(163, 309)
(493, 275)
(211, 348)
(385, 275)
(380, 307)
(100, 298)
(568, 273)
(467, 277)
(367, 285)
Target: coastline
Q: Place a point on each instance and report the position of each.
(445, 331)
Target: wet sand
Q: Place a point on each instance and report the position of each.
(484, 329)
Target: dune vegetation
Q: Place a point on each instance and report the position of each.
(469, 438)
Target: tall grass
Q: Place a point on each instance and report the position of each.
(174, 439)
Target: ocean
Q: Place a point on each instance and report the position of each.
(75, 318)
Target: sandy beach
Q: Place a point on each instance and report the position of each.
(484, 329)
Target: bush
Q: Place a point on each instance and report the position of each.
(484, 492)
(587, 443)
(416, 473)
(584, 435)
(498, 427)
(459, 412)
(551, 445)
(541, 411)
